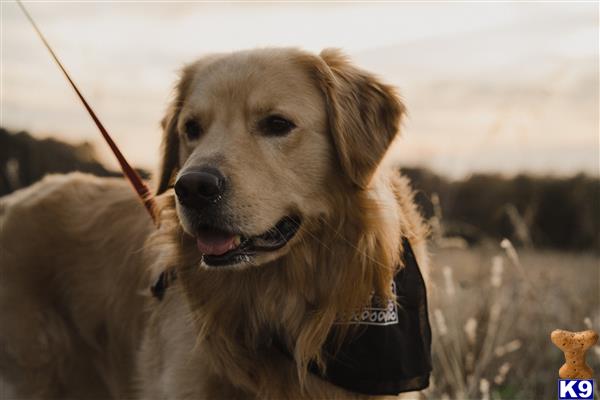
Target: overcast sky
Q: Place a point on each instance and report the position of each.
(506, 87)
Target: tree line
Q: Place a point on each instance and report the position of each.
(553, 212)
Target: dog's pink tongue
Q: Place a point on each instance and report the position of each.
(215, 243)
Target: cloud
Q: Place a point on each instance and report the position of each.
(493, 86)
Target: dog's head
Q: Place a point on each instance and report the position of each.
(255, 141)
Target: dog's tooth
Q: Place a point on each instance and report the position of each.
(237, 240)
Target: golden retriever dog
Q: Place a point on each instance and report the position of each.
(277, 219)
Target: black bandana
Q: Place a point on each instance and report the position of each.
(391, 352)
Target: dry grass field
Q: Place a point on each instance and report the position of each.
(492, 309)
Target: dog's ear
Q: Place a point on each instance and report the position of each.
(364, 115)
(170, 141)
(169, 148)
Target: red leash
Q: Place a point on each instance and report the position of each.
(132, 176)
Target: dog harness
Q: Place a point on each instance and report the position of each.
(391, 350)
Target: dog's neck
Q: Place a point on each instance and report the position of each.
(331, 270)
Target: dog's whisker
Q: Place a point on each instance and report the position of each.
(353, 245)
(337, 234)
(301, 228)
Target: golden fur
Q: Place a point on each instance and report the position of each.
(78, 254)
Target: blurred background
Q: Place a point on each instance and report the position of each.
(501, 142)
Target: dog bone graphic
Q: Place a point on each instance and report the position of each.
(574, 345)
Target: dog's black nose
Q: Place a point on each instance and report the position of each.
(197, 187)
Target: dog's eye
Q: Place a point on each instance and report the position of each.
(275, 125)
(193, 129)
